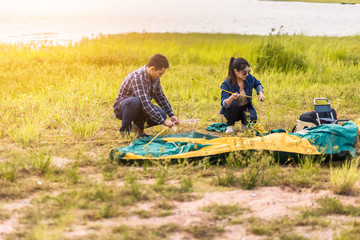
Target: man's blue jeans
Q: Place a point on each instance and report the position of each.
(235, 113)
(130, 110)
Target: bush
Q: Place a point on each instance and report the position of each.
(274, 54)
(343, 180)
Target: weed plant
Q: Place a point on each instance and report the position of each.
(40, 163)
(201, 231)
(343, 180)
(328, 206)
(284, 57)
(161, 175)
(132, 185)
(4, 214)
(307, 171)
(186, 183)
(224, 211)
(225, 178)
(353, 232)
(72, 175)
(109, 169)
(8, 171)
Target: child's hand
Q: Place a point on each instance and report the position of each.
(261, 97)
(235, 96)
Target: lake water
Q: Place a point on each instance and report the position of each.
(65, 20)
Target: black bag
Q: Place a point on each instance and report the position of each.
(311, 116)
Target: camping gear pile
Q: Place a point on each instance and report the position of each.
(326, 138)
(322, 114)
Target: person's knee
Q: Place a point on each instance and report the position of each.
(118, 114)
(128, 109)
(253, 116)
(232, 109)
(233, 106)
(133, 102)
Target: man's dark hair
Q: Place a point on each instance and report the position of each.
(158, 61)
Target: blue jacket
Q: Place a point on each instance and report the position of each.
(250, 83)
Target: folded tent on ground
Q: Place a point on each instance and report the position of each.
(324, 140)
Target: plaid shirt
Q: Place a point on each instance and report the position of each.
(137, 84)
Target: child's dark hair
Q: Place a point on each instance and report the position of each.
(236, 63)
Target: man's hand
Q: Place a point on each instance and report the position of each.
(261, 96)
(168, 123)
(175, 120)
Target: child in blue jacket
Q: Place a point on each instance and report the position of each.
(241, 83)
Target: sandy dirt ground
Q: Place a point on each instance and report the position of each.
(266, 203)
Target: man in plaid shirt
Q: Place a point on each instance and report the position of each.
(133, 104)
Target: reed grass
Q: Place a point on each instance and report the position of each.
(70, 89)
(224, 211)
(56, 101)
(343, 180)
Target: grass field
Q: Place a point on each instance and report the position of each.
(57, 129)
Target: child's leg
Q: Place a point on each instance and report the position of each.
(233, 114)
(253, 115)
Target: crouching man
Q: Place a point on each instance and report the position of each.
(133, 104)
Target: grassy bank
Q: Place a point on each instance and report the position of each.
(52, 89)
(53, 98)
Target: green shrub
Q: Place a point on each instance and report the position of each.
(186, 184)
(273, 54)
(343, 180)
(8, 171)
(226, 178)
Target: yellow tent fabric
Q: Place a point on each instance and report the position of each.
(327, 139)
(357, 122)
(275, 142)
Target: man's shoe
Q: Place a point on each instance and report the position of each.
(229, 129)
(143, 135)
(126, 135)
(135, 129)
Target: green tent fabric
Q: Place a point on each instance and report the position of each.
(270, 132)
(160, 148)
(188, 135)
(217, 127)
(326, 139)
(221, 127)
(332, 138)
(257, 133)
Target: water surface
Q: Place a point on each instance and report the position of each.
(33, 20)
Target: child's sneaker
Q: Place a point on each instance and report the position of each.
(229, 129)
(242, 128)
